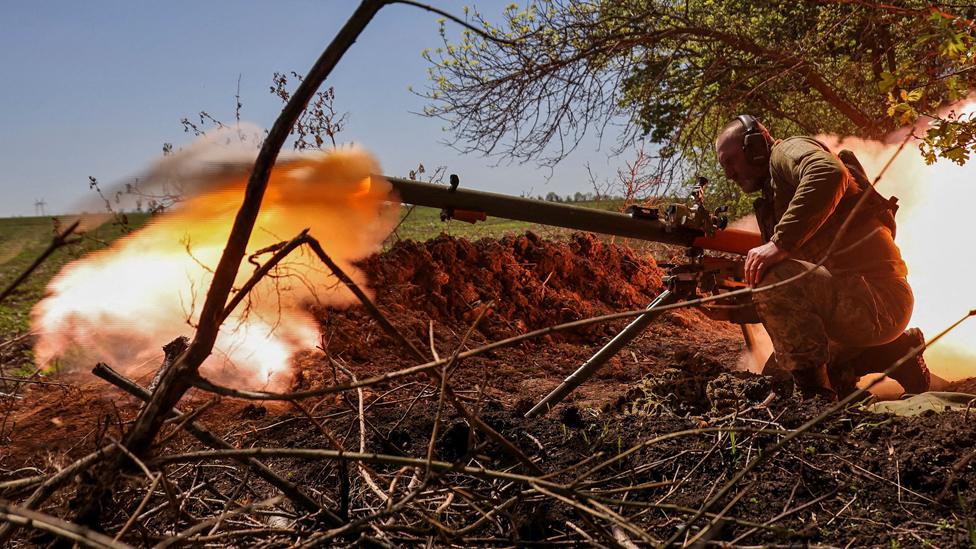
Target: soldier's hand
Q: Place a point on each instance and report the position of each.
(761, 258)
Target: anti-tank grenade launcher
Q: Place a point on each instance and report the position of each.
(688, 224)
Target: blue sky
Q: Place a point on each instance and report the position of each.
(95, 88)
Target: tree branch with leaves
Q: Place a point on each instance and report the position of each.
(675, 72)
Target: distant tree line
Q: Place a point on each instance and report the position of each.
(575, 197)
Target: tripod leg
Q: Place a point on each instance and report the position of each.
(747, 337)
(597, 361)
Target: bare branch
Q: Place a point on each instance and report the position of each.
(60, 239)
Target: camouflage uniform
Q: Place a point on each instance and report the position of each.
(859, 297)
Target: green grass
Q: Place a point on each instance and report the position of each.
(421, 223)
(22, 240)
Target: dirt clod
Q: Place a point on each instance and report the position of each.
(730, 391)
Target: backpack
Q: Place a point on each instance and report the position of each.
(875, 205)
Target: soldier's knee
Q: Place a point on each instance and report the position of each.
(783, 270)
(787, 294)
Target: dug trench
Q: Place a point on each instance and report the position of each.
(674, 407)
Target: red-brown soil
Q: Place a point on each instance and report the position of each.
(859, 479)
(526, 284)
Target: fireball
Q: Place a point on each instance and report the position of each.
(120, 305)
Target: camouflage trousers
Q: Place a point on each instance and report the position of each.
(822, 317)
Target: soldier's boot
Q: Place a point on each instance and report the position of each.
(913, 375)
(780, 379)
(843, 378)
(814, 382)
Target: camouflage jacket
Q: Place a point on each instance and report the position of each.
(808, 196)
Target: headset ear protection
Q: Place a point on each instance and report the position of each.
(754, 143)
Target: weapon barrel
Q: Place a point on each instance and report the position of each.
(735, 241)
(541, 212)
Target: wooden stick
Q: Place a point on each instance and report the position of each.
(177, 380)
(172, 387)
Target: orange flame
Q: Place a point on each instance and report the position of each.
(122, 304)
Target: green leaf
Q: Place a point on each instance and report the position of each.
(887, 82)
(957, 154)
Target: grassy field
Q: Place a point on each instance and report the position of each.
(422, 223)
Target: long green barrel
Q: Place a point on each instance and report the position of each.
(570, 217)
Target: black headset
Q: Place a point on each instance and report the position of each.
(754, 143)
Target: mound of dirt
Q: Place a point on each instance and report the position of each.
(967, 385)
(528, 282)
(434, 291)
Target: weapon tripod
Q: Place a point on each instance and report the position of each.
(701, 275)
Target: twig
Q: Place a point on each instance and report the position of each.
(621, 537)
(456, 19)
(602, 513)
(842, 509)
(174, 386)
(324, 537)
(20, 516)
(134, 458)
(51, 485)
(317, 453)
(15, 339)
(142, 505)
(338, 445)
(32, 381)
(189, 532)
(783, 515)
(957, 468)
(21, 482)
(585, 535)
(430, 336)
(282, 250)
(188, 418)
(59, 240)
(718, 517)
(444, 375)
(362, 440)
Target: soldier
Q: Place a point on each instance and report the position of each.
(844, 318)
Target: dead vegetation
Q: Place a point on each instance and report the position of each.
(367, 449)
